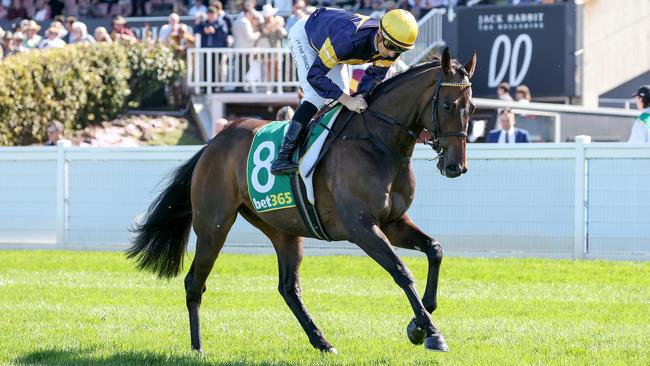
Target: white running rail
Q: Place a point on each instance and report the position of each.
(568, 200)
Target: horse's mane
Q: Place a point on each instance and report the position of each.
(406, 75)
(398, 79)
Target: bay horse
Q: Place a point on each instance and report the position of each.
(208, 191)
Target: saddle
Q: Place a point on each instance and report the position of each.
(268, 192)
(316, 121)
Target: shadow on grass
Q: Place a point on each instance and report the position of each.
(85, 357)
(191, 136)
(185, 134)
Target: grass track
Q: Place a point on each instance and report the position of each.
(64, 308)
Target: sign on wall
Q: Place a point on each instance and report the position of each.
(532, 45)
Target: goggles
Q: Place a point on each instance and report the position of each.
(392, 47)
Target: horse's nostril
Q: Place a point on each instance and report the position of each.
(453, 168)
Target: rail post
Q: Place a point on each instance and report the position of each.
(61, 191)
(580, 198)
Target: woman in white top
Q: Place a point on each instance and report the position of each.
(52, 40)
(172, 26)
(80, 34)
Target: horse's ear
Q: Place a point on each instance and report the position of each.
(470, 66)
(446, 61)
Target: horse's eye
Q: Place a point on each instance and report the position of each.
(449, 107)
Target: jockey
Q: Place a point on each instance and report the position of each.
(325, 41)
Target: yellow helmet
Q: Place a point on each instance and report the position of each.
(400, 28)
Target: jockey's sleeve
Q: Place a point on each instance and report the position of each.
(317, 78)
(329, 55)
(374, 74)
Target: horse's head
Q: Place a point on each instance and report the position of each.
(446, 114)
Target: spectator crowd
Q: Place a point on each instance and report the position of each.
(42, 10)
(226, 23)
(237, 24)
(25, 37)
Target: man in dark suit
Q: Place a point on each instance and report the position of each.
(508, 134)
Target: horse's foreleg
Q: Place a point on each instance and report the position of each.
(210, 240)
(363, 231)
(404, 233)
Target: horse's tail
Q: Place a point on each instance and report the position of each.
(160, 241)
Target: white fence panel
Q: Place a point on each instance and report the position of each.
(108, 188)
(506, 205)
(521, 200)
(28, 195)
(619, 203)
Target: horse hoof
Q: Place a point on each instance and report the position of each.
(416, 334)
(199, 352)
(330, 350)
(436, 343)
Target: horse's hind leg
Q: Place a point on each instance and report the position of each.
(211, 235)
(404, 233)
(289, 249)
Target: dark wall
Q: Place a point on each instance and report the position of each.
(533, 45)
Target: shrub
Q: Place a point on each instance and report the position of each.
(77, 85)
(151, 68)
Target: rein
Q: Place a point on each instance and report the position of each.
(436, 133)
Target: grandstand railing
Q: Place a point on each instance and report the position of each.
(271, 70)
(551, 107)
(570, 200)
(562, 122)
(625, 103)
(429, 37)
(266, 70)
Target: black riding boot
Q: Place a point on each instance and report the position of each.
(283, 164)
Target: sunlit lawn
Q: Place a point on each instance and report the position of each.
(59, 308)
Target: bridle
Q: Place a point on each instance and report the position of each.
(435, 131)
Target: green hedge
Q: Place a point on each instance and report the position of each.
(77, 85)
(151, 68)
